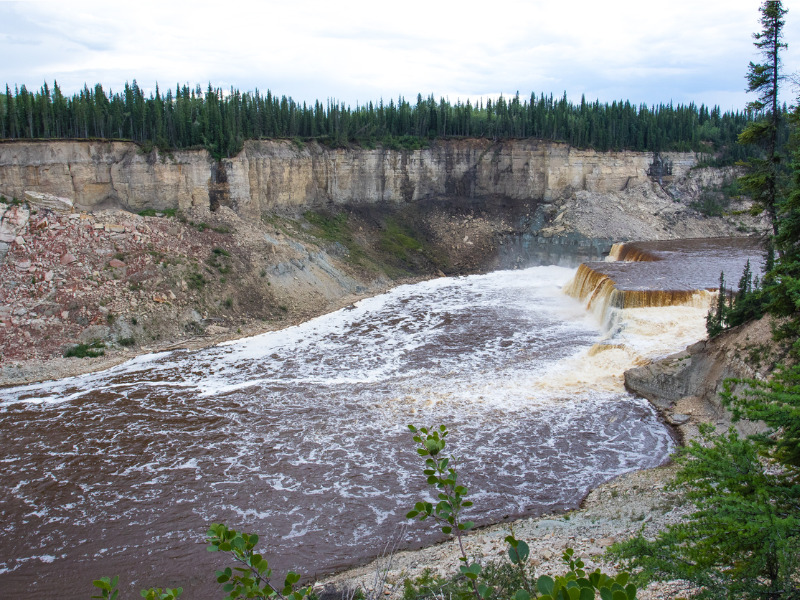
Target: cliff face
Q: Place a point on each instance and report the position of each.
(687, 385)
(97, 175)
(270, 175)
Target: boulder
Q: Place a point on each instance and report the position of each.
(44, 201)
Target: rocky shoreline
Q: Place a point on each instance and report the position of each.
(33, 371)
(684, 388)
(615, 511)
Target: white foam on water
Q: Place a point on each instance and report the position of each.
(302, 431)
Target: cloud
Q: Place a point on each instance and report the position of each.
(360, 51)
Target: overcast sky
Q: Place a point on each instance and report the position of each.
(643, 51)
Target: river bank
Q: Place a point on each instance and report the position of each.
(684, 388)
(635, 502)
(33, 371)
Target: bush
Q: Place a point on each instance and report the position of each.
(91, 350)
(485, 583)
(195, 280)
(742, 541)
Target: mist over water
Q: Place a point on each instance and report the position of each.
(301, 435)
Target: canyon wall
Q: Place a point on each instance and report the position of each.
(276, 175)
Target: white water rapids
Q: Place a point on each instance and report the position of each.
(301, 435)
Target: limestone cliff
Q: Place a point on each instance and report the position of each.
(269, 175)
(546, 201)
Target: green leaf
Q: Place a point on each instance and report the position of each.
(545, 584)
(522, 595)
(447, 529)
(619, 595)
(630, 590)
(466, 525)
(484, 591)
(104, 583)
(519, 553)
(587, 593)
(472, 571)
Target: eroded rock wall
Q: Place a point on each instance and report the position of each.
(97, 175)
(275, 175)
(688, 384)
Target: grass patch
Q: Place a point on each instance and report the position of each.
(196, 281)
(126, 341)
(398, 240)
(504, 577)
(335, 228)
(330, 227)
(90, 350)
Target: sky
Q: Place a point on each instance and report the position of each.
(354, 51)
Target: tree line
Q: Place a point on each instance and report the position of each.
(221, 121)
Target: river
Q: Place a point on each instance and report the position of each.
(301, 435)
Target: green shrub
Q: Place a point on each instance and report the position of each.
(91, 350)
(577, 584)
(195, 280)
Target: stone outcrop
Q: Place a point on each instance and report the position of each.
(13, 221)
(269, 175)
(41, 200)
(96, 175)
(689, 383)
(548, 202)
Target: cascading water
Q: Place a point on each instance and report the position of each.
(300, 435)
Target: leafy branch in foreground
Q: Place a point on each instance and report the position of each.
(576, 584)
(109, 591)
(446, 512)
(252, 579)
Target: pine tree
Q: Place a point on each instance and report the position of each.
(761, 183)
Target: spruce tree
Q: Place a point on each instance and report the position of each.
(761, 183)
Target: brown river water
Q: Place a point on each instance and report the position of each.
(301, 435)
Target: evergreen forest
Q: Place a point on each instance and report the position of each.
(221, 121)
